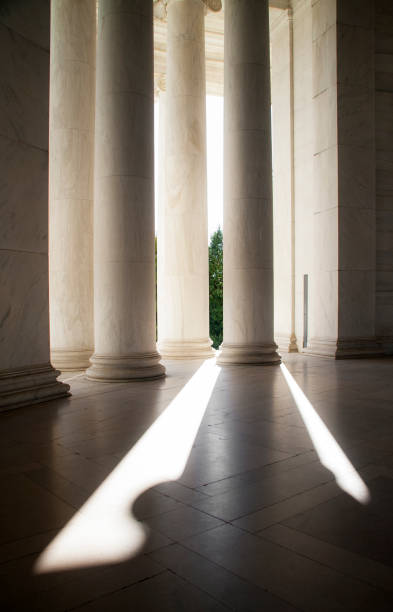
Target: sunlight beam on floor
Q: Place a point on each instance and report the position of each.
(329, 452)
(104, 530)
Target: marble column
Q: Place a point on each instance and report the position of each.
(183, 270)
(26, 375)
(71, 155)
(248, 218)
(124, 284)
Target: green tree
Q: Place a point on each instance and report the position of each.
(215, 288)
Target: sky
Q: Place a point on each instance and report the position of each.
(214, 129)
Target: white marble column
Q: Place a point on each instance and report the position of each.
(183, 271)
(124, 285)
(248, 222)
(71, 159)
(26, 375)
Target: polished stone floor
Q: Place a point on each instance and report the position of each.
(265, 513)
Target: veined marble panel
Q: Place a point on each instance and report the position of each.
(324, 305)
(24, 91)
(357, 238)
(325, 119)
(24, 319)
(356, 303)
(324, 16)
(33, 25)
(324, 49)
(303, 128)
(356, 176)
(355, 62)
(23, 193)
(326, 179)
(326, 240)
(355, 116)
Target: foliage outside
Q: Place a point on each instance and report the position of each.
(215, 288)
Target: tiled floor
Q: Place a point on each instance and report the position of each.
(254, 522)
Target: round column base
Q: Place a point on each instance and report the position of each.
(142, 366)
(69, 361)
(186, 349)
(249, 354)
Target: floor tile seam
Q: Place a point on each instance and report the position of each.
(89, 493)
(198, 533)
(243, 578)
(325, 564)
(197, 586)
(70, 482)
(76, 456)
(187, 505)
(285, 499)
(72, 507)
(192, 489)
(257, 481)
(281, 520)
(271, 479)
(341, 550)
(110, 593)
(8, 542)
(229, 571)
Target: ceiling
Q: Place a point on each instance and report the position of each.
(214, 46)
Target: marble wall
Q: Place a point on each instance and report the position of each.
(335, 174)
(384, 171)
(356, 178)
(280, 45)
(303, 160)
(324, 279)
(25, 371)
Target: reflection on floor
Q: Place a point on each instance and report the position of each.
(254, 522)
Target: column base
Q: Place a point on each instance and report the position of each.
(251, 354)
(30, 385)
(186, 349)
(67, 361)
(141, 366)
(345, 348)
(287, 344)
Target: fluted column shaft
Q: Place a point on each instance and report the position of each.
(71, 152)
(248, 214)
(183, 284)
(124, 287)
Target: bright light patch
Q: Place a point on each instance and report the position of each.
(104, 529)
(329, 452)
